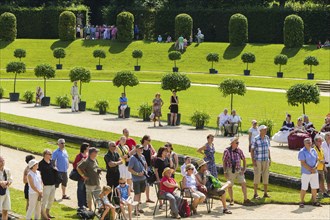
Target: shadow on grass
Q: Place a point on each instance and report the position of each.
(118, 47)
(232, 52)
(59, 43)
(93, 43)
(290, 52)
(172, 48)
(4, 44)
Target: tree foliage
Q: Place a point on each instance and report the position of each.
(232, 87)
(16, 68)
(125, 78)
(212, 57)
(8, 26)
(280, 60)
(248, 58)
(125, 25)
(45, 71)
(19, 53)
(311, 61)
(67, 26)
(238, 30)
(183, 26)
(80, 74)
(303, 94)
(293, 31)
(137, 54)
(59, 53)
(175, 82)
(99, 54)
(174, 55)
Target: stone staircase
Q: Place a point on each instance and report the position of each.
(324, 87)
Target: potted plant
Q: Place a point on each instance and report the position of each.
(17, 68)
(59, 53)
(99, 54)
(174, 55)
(270, 124)
(1, 92)
(137, 54)
(20, 53)
(199, 119)
(145, 111)
(63, 101)
(212, 57)
(280, 60)
(248, 58)
(102, 105)
(82, 75)
(45, 71)
(28, 96)
(311, 61)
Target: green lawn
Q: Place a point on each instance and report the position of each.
(79, 53)
(59, 211)
(254, 105)
(27, 142)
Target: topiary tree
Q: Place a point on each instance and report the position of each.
(99, 54)
(232, 87)
(238, 30)
(248, 58)
(183, 26)
(59, 53)
(125, 25)
(212, 57)
(125, 78)
(174, 55)
(280, 60)
(17, 68)
(311, 61)
(46, 71)
(293, 31)
(67, 26)
(8, 26)
(80, 74)
(303, 94)
(137, 54)
(175, 82)
(19, 53)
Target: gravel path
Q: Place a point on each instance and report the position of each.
(15, 162)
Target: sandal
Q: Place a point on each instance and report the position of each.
(150, 201)
(256, 196)
(317, 204)
(65, 197)
(266, 195)
(231, 202)
(301, 205)
(226, 211)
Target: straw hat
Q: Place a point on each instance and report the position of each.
(32, 163)
(167, 169)
(201, 163)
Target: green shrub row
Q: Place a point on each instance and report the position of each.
(265, 24)
(40, 22)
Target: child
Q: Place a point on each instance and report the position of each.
(105, 203)
(124, 193)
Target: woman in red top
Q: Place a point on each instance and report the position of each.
(81, 188)
(168, 186)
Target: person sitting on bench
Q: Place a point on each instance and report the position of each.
(232, 126)
(123, 104)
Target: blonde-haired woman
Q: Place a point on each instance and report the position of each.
(157, 109)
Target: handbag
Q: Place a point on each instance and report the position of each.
(3, 190)
(150, 175)
(74, 175)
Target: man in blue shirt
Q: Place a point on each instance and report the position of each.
(61, 159)
(308, 159)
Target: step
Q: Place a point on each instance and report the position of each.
(324, 87)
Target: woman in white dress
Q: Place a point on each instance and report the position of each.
(253, 132)
(282, 136)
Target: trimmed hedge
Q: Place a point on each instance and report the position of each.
(265, 24)
(293, 31)
(8, 25)
(183, 26)
(40, 23)
(125, 25)
(67, 26)
(238, 30)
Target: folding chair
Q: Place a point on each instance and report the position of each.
(115, 201)
(98, 204)
(183, 195)
(157, 188)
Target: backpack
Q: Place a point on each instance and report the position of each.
(85, 214)
(215, 182)
(184, 209)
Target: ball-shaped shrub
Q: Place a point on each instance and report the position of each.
(212, 57)
(238, 30)
(248, 58)
(67, 26)
(174, 55)
(99, 54)
(311, 61)
(293, 31)
(59, 53)
(19, 53)
(125, 25)
(183, 26)
(280, 59)
(137, 54)
(8, 29)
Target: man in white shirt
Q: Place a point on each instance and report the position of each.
(326, 150)
(222, 120)
(187, 160)
(232, 126)
(75, 97)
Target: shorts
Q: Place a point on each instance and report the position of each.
(89, 191)
(124, 173)
(327, 175)
(235, 176)
(261, 170)
(307, 179)
(5, 201)
(64, 176)
(26, 191)
(123, 107)
(139, 186)
(321, 175)
(196, 194)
